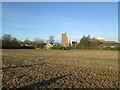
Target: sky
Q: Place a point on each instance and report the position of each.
(28, 20)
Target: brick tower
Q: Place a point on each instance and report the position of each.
(64, 40)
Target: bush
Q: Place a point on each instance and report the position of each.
(66, 48)
(57, 47)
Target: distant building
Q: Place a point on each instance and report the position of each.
(72, 42)
(65, 40)
(100, 39)
(27, 45)
(48, 46)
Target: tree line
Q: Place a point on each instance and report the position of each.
(9, 42)
(86, 42)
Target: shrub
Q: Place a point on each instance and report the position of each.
(57, 47)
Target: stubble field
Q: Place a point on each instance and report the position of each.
(35, 69)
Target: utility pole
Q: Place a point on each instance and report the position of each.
(75, 45)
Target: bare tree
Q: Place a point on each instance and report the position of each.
(38, 42)
(51, 39)
(9, 42)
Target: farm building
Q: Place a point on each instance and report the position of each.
(27, 46)
(48, 46)
(67, 41)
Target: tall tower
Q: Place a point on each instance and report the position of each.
(65, 40)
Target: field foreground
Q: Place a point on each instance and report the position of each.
(59, 69)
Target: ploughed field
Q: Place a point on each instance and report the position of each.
(37, 69)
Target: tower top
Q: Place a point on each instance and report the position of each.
(65, 33)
